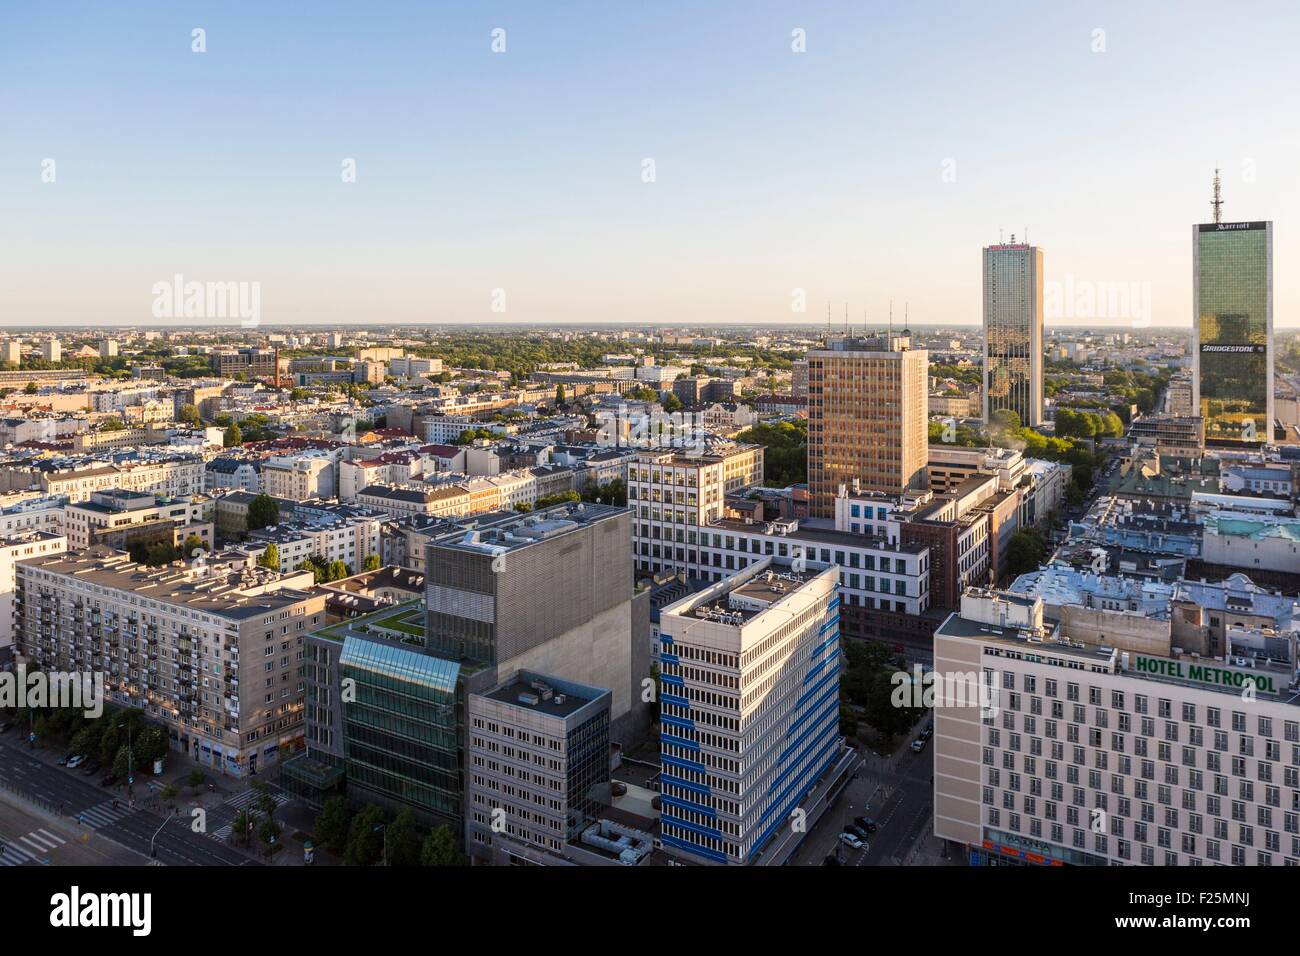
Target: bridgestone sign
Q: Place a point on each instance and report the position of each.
(1202, 673)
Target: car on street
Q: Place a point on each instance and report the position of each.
(76, 761)
(851, 840)
(857, 831)
(90, 768)
(866, 823)
(5, 726)
(918, 745)
(831, 860)
(108, 780)
(927, 733)
(63, 761)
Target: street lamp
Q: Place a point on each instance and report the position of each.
(153, 849)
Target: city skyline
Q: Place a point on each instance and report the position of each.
(524, 172)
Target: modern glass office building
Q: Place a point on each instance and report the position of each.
(1013, 331)
(1232, 291)
(401, 733)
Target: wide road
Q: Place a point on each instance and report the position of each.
(24, 774)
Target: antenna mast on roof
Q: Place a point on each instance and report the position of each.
(1217, 202)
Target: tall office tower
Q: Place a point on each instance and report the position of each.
(749, 708)
(52, 350)
(1013, 331)
(867, 417)
(1232, 320)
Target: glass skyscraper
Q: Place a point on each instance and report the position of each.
(1013, 331)
(1232, 302)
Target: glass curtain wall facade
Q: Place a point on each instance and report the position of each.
(1013, 331)
(401, 733)
(1233, 336)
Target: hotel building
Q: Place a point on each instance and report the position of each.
(1094, 754)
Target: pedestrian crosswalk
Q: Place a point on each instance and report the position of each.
(246, 801)
(103, 814)
(30, 850)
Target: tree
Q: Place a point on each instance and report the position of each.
(262, 512)
(31, 388)
(233, 436)
(270, 558)
(333, 824)
(1025, 552)
(365, 838)
(440, 849)
(189, 415)
(194, 780)
(559, 396)
(239, 827)
(193, 543)
(672, 403)
(112, 425)
(403, 840)
(371, 563)
(337, 571)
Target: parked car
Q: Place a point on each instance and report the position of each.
(851, 840)
(857, 831)
(831, 860)
(90, 768)
(5, 727)
(63, 761)
(108, 780)
(918, 745)
(76, 761)
(866, 823)
(927, 733)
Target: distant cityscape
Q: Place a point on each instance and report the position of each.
(855, 596)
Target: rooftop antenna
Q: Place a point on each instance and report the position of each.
(1026, 235)
(828, 317)
(1000, 238)
(846, 319)
(891, 319)
(1217, 202)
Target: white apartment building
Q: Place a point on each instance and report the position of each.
(14, 548)
(350, 540)
(299, 477)
(749, 708)
(175, 478)
(1096, 755)
(115, 510)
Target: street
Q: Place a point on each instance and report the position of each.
(89, 808)
(897, 793)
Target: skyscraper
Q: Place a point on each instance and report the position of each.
(867, 417)
(1013, 331)
(1232, 328)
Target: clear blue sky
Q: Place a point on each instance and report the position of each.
(522, 171)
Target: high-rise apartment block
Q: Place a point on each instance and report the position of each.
(212, 651)
(749, 708)
(1232, 337)
(867, 418)
(1013, 331)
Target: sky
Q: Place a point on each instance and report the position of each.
(631, 162)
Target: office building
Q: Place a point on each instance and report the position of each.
(537, 765)
(1013, 331)
(1232, 334)
(750, 671)
(867, 417)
